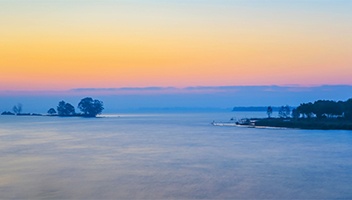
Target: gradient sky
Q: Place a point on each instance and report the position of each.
(63, 44)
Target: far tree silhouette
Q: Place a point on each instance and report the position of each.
(65, 109)
(90, 107)
(17, 109)
(295, 113)
(348, 109)
(284, 111)
(51, 111)
(269, 111)
(306, 109)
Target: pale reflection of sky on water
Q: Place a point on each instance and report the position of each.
(169, 156)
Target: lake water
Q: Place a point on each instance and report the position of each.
(169, 156)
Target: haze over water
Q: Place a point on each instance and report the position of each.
(169, 156)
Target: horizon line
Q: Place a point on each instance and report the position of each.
(158, 88)
(169, 90)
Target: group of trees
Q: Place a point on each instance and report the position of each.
(284, 111)
(319, 109)
(88, 106)
(326, 109)
(16, 110)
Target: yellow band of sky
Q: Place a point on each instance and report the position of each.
(70, 44)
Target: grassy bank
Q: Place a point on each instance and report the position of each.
(303, 123)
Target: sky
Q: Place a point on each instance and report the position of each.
(66, 44)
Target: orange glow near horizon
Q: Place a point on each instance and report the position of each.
(89, 46)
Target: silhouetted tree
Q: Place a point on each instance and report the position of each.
(90, 107)
(347, 109)
(295, 114)
(306, 109)
(17, 109)
(325, 108)
(319, 108)
(269, 111)
(51, 111)
(284, 111)
(65, 109)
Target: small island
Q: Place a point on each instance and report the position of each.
(322, 115)
(89, 108)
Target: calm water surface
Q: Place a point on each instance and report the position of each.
(169, 156)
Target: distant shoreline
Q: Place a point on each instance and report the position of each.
(46, 115)
(305, 123)
(290, 123)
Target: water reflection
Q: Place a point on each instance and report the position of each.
(169, 156)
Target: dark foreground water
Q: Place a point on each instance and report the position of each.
(169, 156)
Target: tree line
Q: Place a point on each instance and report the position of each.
(89, 108)
(320, 109)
